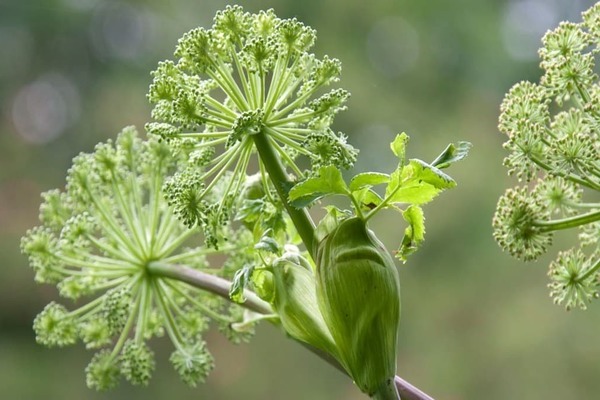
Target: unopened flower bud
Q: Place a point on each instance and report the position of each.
(358, 291)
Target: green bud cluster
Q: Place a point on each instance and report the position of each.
(553, 130)
(249, 74)
(101, 239)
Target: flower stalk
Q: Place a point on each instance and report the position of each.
(211, 283)
(569, 222)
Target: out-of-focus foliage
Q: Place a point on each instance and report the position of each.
(476, 324)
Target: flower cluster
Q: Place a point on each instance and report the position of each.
(553, 130)
(107, 239)
(249, 75)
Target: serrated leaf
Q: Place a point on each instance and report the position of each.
(406, 187)
(414, 234)
(416, 183)
(415, 193)
(368, 179)
(241, 278)
(398, 147)
(452, 154)
(424, 172)
(327, 182)
(395, 182)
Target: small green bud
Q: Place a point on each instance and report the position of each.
(193, 363)
(55, 327)
(116, 308)
(137, 362)
(358, 292)
(95, 333)
(102, 373)
(573, 279)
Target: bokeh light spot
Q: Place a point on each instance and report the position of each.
(44, 109)
(18, 42)
(119, 31)
(392, 46)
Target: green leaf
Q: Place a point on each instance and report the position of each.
(424, 172)
(415, 193)
(406, 187)
(414, 234)
(398, 147)
(367, 198)
(329, 222)
(327, 182)
(368, 179)
(452, 154)
(262, 282)
(267, 243)
(250, 210)
(239, 283)
(307, 200)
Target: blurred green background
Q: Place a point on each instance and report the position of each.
(476, 324)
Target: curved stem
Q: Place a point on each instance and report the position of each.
(592, 270)
(570, 222)
(566, 175)
(210, 283)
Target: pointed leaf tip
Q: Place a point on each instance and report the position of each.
(452, 154)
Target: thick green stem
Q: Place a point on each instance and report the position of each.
(272, 163)
(571, 222)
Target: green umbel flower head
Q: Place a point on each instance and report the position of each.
(249, 75)
(573, 281)
(553, 130)
(101, 240)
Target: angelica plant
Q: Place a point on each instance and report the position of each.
(239, 149)
(554, 149)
